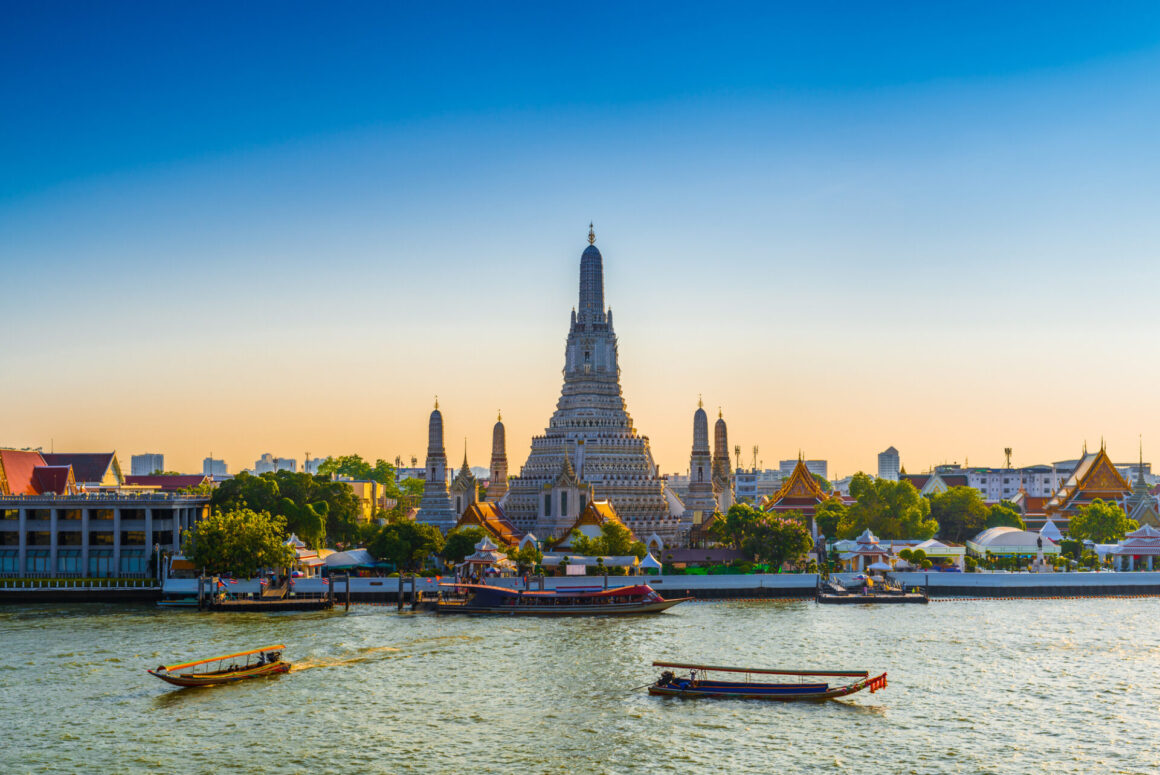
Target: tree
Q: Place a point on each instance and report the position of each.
(823, 482)
(240, 542)
(526, 558)
(889, 509)
(778, 540)
(615, 540)
(733, 526)
(277, 492)
(461, 542)
(406, 544)
(1005, 514)
(907, 555)
(1101, 523)
(828, 516)
(959, 512)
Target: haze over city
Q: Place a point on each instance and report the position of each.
(850, 228)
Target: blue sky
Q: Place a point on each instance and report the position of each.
(836, 220)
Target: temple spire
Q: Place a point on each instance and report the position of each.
(591, 234)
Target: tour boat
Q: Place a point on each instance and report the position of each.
(225, 669)
(699, 685)
(486, 599)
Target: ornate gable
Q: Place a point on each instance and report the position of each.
(1102, 476)
(800, 484)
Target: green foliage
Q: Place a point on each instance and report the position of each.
(287, 494)
(823, 482)
(461, 542)
(828, 516)
(918, 557)
(778, 540)
(1071, 548)
(205, 488)
(1005, 514)
(734, 525)
(615, 540)
(354, 467)
(960, 513)
(1101, 523)
(240, 542)
(907, 555)
(971, 564)
(406, 544)
(527, 558)
(411, 487)
(889, 509)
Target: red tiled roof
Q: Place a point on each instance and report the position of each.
(167, 482)
(955, 480)
(918, 480)
(87, 466)
(52, 479)
(16, 467)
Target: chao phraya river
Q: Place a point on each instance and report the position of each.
(1019, 686)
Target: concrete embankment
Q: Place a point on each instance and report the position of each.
(724, 587)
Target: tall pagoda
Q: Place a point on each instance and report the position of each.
(590, 449)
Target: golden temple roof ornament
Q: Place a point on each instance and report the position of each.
(499, 415)
(436, 402)
(720, 416)
(591, 234)
(700, 402)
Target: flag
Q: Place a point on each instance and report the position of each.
(326, 581)
(233, 581)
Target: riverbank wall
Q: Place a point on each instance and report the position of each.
(787, 586)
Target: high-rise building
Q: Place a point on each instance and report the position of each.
(889, 464)
(267, 463)
(212, 466)
(310, 465)
(819, 467)
(590, 448)
(143, 465)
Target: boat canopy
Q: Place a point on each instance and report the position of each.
(682, 665)
(262, 650)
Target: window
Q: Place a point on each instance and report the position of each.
(563, 504)
(700, 474)
(69, 514)
(68, 538)
(12, 514)
(547, 505)
(132, 538)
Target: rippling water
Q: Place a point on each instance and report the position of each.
(991, 686)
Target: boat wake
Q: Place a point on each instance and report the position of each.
(361, 655)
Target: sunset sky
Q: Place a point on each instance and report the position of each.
(283, 227)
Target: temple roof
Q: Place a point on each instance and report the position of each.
(489, 516)
(91, 467)
(1094, 476)
(799, 488)
(16, 471)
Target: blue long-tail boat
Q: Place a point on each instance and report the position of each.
(697, 684)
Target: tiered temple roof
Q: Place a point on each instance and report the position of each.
(491, 518)
(593, 430)
(1094, 477)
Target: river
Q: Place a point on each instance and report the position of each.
(1020, 686)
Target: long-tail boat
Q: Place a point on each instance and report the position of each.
(697, 684)
(225, 669)
(486, 599)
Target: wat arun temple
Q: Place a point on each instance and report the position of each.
(590, 450)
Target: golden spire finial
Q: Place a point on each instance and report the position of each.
(436, 402)
(499, 415)
(720, 416)
(591, 234)
(700, 402)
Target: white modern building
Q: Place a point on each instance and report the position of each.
(750, 485)
(212, 466)
(819, 467)
(267, 463)
(143, 465)
(889, 464)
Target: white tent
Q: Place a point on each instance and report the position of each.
(880, 566)
(349, 559)
(650, 563)
(1049, 530)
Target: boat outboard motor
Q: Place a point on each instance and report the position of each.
(666, 678)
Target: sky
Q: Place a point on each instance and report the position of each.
(238, 228)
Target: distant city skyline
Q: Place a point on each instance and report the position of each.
(851, 228)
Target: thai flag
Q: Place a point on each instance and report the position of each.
(221, 583)
(233, 581)
(263, 582)
(326, 581)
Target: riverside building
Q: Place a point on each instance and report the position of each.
(50, 526)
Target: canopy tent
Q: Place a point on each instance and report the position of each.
(879, 566)
(650, 563)
(351, 558)
(1011, 541)
(625, 561)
